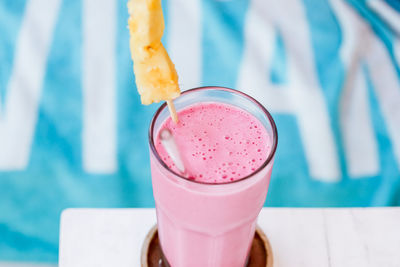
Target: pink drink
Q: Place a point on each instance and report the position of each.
(218, 142)
(209, 218)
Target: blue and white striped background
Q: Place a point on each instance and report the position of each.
(74, 134)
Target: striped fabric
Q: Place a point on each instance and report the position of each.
(74, 134)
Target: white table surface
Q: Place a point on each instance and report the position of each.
(299, 237)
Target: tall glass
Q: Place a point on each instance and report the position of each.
(203, 224)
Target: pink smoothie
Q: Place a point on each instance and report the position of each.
(218, 142)
(211, 223)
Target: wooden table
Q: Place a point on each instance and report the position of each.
(299, 237)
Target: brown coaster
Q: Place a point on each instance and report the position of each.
(260, 253)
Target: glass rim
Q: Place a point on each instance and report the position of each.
(217, 88)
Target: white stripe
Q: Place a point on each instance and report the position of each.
(99, 86)
(314, 122)
(18, 121)
(357, 130)
(184, 40)
(257, 58)
(354, 31)
(359, 141)
(302, 96)
(387, 88)
(386, 13)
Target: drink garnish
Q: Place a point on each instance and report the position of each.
(155, 74)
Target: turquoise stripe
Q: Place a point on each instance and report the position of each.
(11, 239)
(326, 39)
(278, 74)
(223, 25)
(133, 175)
(290, 178)
(394, 4)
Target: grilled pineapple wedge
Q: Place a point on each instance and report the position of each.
(156, 77)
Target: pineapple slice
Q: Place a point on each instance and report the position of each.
(156, 78)
(146, 26)
(155, 74)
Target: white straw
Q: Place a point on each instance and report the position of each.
(170, 147)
